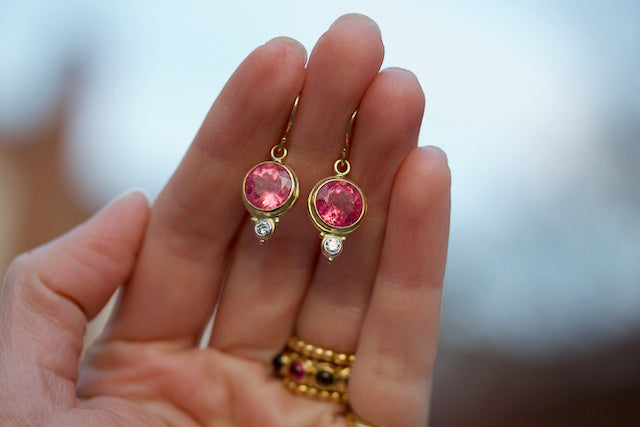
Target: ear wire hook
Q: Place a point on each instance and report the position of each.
(280, 148)
(342, 165)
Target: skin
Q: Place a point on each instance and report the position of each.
(380, 299)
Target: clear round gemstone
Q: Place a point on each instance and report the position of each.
(332, 245)
(263, 228)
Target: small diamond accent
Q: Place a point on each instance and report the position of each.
(263, 228)
(332, 246)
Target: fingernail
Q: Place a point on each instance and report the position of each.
(292, 42)
(437, 151)
(129, 192)
(400, 69)
(355, 16)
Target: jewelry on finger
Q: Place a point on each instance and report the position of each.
(355, 421)
(297, 345)
(336, 205)
(270, 189)
(313, 371)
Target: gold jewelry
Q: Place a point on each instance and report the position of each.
(270, 189)
(297, 345)
(336, 205)
(313, 371)
(355, 421)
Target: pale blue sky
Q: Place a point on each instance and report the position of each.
(536, 103)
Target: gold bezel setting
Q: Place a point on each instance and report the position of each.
(265, 220)
(332, 236)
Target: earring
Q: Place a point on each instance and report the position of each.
(336, 205)
(270, 189)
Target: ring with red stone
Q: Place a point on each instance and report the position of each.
(314, 372)
(336, 205)
(270, 189)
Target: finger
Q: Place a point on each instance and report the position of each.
(271, 280)
(50, 293)
(194, 219)
(386, 130)
(397, 348)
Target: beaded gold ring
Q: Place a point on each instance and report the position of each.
(314, 372)
(355, 421)
(297, 345)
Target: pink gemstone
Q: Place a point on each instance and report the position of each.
(339, 203)
(296, 371)
(268, 186)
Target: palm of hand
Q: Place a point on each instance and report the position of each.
(380, 299)
(162, 383)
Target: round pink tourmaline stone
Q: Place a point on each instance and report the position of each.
(339, 203)
(268, 186)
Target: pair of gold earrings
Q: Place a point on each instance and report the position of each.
(336, 205)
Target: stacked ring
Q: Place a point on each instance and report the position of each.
(313, 371)
(355, 421)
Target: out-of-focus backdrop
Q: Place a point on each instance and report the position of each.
(537, 104)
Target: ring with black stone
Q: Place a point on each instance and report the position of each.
(314, 372)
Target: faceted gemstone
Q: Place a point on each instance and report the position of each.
(324, 378)
(332, 245)
(263, 228)
(268, 186)
(339, 203)
(296, 371)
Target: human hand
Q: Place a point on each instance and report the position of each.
(380, 299)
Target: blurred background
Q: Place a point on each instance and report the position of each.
(537, 104)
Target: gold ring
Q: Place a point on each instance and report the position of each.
(296, 345)
(355, 421)
(314, 372)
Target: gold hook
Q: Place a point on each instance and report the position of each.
(280, 148)
(343, 163)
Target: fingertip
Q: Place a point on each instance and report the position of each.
(282, 54)
(278, 65)
(438, 169)
(354, 39)
(427, 165)
(129, 208)
(134, 196)
(137, 193)
(407, 85)
(395, 98)
(290, 42)
(356, 17)
(437, 152)
(400, 70)
(89, 262)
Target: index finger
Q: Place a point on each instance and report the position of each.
(176, 283)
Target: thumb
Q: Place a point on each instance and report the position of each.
(50, 293)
